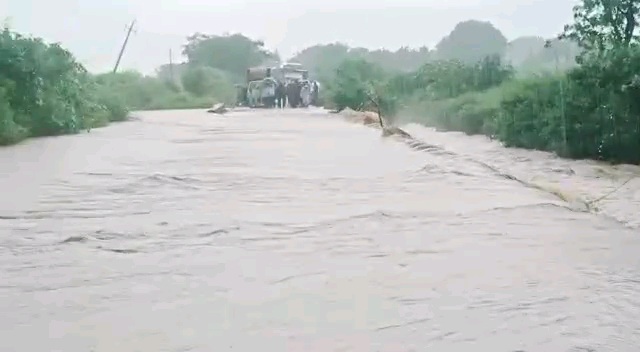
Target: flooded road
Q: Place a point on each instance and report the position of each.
(299, 231)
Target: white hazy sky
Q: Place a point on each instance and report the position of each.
(94, 29)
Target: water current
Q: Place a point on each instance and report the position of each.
(296, 230)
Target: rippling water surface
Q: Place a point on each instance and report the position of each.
(298, 231)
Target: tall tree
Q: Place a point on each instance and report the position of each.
(603, 24)
(321, 60)
(231, 53)
(206, 81)
(471, 41)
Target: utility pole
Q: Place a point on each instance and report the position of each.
(171, 65)
(124, 45)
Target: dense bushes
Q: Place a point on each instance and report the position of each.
(44, 91)
(445, 88)
(139, 92)
(590, 111)
(203, 81)
(354, 83)
(593, 111)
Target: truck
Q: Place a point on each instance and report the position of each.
(295, 79)
(261, 82)
(259, 88)
(290, 71)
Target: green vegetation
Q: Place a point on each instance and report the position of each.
(578, 95)
(138, 92)
(232, 54)
(44, 91)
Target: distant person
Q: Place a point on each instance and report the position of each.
(281, 95)
(315, 94)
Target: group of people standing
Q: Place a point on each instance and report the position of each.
(274, 93)
(296, 93)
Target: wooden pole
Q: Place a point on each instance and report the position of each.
(124, 45)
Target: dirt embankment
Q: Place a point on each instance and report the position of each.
(371, 119)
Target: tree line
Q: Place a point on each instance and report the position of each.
(578, 95)
(45, 91)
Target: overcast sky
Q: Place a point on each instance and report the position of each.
(94, 30)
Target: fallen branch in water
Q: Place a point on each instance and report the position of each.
(386, 131)
(218, 109)
(376, 103)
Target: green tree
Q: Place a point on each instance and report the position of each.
(206, 81)
(590, 109)
(451, 78)
(171, 73)
(594, 110)
(322, 60)
(45, 91)
(354, 83)
(599, 25)
(471, 41)
(230, 53)
(554, 55)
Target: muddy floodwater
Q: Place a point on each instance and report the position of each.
(298, 231)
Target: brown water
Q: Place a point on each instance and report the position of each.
(298, 231)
